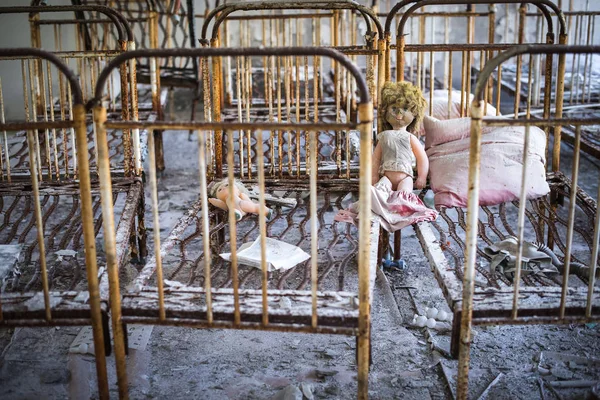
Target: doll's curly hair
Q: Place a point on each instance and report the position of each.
(394, 92)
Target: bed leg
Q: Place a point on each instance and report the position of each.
(455, 336)
(106, 334)
(159, 150)
(142, 235)
(384, 243)
(397, 245)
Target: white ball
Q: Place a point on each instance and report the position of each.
(421, 321)
(431, 323)
(442, 315)
(432, 312)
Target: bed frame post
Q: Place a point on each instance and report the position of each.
(110, 248)
(87, 218)
(365, 115)
(462, 385)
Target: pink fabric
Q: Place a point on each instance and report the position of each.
(397, 209)
(500, 172)
(442, 131)
(441, 111)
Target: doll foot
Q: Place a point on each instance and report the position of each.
(269, 215)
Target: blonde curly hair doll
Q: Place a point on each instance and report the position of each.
(402, 108)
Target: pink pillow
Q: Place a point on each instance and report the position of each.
(500, 170)
(443, 131)
(440, 108)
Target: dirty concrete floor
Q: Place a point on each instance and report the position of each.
(183, 363)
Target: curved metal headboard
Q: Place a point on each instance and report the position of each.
(46, 55)
(234, 52)
(121, 23)
(543, 5)
(222, 12)
(493, 63)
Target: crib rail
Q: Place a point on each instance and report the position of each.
(298, 24)
(77, 123)
(88, 59)
(567, 302)
(235, 307)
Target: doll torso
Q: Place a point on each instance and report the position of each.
(396, 151)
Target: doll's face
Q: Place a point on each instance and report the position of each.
(398, 115)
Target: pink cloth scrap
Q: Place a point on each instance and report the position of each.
(396, 209)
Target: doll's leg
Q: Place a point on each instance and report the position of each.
(251, 207)
(406, 185)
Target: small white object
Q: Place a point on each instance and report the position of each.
(431, 323)
(442, 315)
(432, 312)
(421, 321)
(414, 320)
(280, 255)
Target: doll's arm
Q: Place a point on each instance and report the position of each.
(375, 163)
(218, 203)
(422, 162)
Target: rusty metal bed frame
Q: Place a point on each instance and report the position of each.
(98, 40)
(575, 299)
(55, 220)
(212, 294)
(292, 89)
(425, 67)
(159, 24)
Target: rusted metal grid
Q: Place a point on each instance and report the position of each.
(98, 39)
(581, 78)
(21, 282)
(293, 88)
(164, 25)
(290, 158)
(296, 24)
(47, 213)
(421, 52)
(566, 221)
(329, 294)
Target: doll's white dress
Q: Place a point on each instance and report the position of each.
(396, 151)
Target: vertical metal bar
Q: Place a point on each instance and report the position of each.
(110, 248)
(128, 159)
(593, 261)
(471, 251)
(87, 218)
(248, 73)
(571, 221)
(263, 233)
(232, 234)
(156, 226)
(498, 89)
(521, 225)
(39, 224)
(365, 115)
(560, 90)
(137, 155)
(449, 83)
(2, 119)
(44, 103)
(238, 86)
(314, 233)
(216, 110)
(51, 95)
(72, 130)
(228, 85)
(463, 81)
(34, 111)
